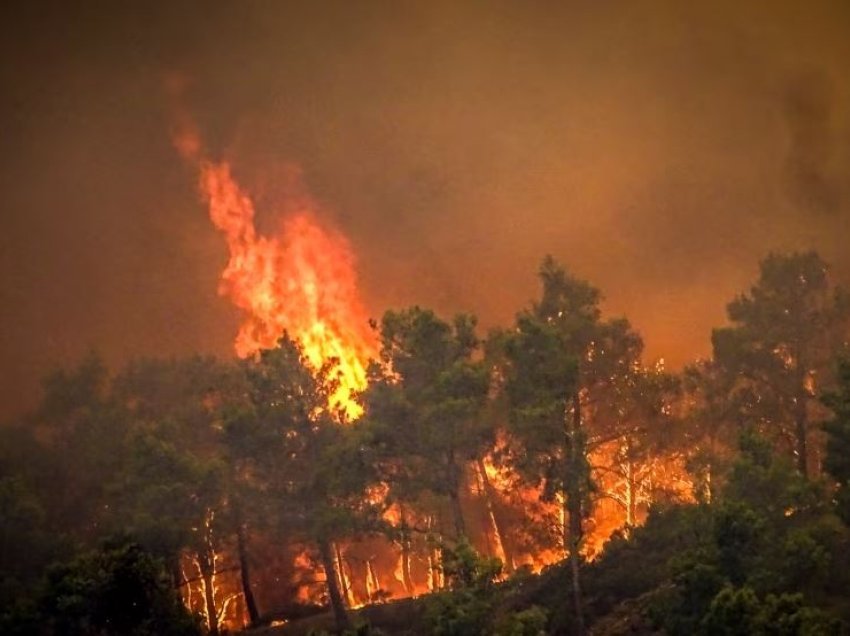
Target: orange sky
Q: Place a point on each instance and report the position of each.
(658, 149)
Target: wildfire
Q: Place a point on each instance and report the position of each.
(301, 281)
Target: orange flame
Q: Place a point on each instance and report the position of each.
(302, 281)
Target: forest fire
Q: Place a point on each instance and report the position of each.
(301, 281)
(376, 297)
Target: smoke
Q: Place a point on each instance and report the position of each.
(809, 106)
(658, 149)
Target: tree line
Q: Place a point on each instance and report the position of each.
(233, 489)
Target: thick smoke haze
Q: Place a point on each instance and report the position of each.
(659, 149)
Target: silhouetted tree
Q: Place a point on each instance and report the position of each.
(780, 347)
(119, 590)
(309, 465)
(837, 459)
(560, 355)
(424, 405)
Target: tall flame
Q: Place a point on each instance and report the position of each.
(302, 281)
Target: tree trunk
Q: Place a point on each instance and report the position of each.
(577, 602)
(434, 561)
(245, 571)
(206, 564)
(573, 541)
(174, 570)
(454, 497)
(435, 573)
(343, 622)
(490, 499)
(177, 579)
(800, 422)
(374, 585)
(407, 579)
(457, 514)
(631, 495)
(573, 508)
(709, 469)
(344, 580)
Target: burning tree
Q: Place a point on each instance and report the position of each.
(294, 446)
(632, 446)
(424, 411)
(557, 357)
(710, 427)
(300, 280)
(175, 493)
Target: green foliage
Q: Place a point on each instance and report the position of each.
(165, 495)
(464, 568)
(117, 590)
(287, 417)
(737, 532)
(467, 608)
(84, 432)
(837, 460)
(787, 615)
(25, 548)
(733, 612)
(23, 542)
(805, 559)
(197, 455)
(459, 613)
(778, 352)
(540, 382)
(701, 603)
(424, 407)
(528, 622)
(541, 367)
(709, 430)
(767, 481)
(768, 539)
(633, 565)
(288, 448)
(739, 612)
(559, 357)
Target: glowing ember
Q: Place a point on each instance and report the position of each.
(301, 281)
